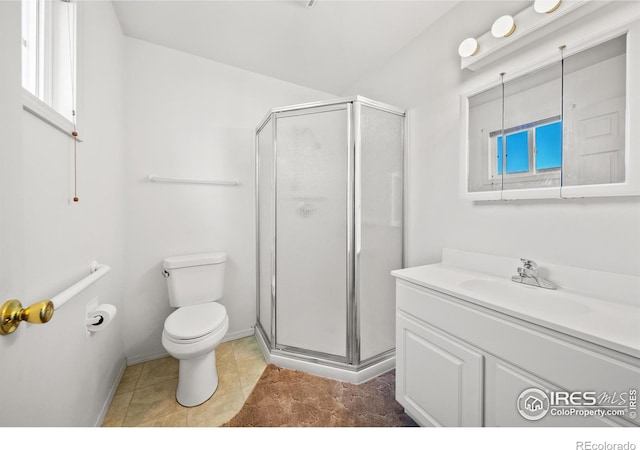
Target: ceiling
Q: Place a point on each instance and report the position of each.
(327, 47)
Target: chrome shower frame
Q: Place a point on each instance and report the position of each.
(350, 367)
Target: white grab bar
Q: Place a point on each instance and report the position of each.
(97, 271)
(190, 181)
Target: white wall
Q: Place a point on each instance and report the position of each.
(54, 374)
(192, 118)
(11, 199)
(601, 234)
(141, 109)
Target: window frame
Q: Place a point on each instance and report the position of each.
(41, 97)
(532, 174)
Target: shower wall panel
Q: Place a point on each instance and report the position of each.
(379, 181)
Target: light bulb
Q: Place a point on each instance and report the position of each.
(546, 6)
(468, 47)
(503, 26)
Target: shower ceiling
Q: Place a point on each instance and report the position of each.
(327, 47)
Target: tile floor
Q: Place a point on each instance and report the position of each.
(146, 396)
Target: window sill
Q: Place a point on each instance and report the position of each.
(557, 192)
(541, 178)
(527, 177)
(44, 112)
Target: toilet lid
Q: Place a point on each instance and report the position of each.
(190, 322)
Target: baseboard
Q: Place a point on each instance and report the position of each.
(239, 334)
(138, 359)
(112, 393)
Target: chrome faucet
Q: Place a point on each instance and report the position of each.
(528, 274)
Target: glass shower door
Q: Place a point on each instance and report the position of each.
(312, 230)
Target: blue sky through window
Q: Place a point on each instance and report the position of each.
(517, 152)
(499, 152)
(549, 146)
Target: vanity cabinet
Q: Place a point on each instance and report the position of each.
(438, 379)
(462, 364)
(504, 383)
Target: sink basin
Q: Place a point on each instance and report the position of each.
(532, 297)
(598, 307)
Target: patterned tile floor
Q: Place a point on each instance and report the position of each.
(146, 396)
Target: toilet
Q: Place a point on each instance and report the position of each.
(193, 331)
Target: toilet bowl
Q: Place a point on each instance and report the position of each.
(193, 331)
(191, 340)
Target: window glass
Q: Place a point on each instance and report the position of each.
(548, 146)
(517, 152)
(499, 153)
(29, 45)
(48, 53)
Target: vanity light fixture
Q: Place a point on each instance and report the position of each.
(468, 47)
(531, 23)
(504, 26)
(546, 6)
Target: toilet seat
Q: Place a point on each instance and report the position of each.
(191, 324)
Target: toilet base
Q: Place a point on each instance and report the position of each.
(197, 380)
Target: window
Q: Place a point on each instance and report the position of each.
(548, 146)
(518, 156)
(530, 149)
(48, 53)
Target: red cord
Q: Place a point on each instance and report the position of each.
(75, 165)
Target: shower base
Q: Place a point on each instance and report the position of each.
(325, 368)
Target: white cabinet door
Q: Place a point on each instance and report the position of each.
(505, 383)
(438, 379)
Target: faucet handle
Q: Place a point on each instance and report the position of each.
(529, 264)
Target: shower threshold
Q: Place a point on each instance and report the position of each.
(325, 368)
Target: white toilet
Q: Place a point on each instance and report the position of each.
(192, 332)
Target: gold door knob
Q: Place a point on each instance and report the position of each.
(12, 314)
(40, 312)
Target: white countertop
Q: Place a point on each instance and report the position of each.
(612, 324)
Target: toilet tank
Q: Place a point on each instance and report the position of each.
(194, 279)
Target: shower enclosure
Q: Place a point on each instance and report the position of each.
(329, 199)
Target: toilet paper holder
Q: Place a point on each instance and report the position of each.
(100, 317)
(95, 320)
